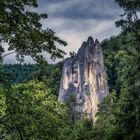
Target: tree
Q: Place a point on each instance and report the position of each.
(105, 126)
(131, 7)
(121, 119)
(21, 28)
(30, 112)
(127, 112)
(82, 130)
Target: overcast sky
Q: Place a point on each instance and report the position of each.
(75, 20)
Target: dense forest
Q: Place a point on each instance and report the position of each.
(50, 74)
(29, 107)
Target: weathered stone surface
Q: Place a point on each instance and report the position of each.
(84, 75)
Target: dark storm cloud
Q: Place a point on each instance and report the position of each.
(75, 20)
(50, 1)
(77, 9)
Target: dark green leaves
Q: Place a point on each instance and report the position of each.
(131, 9)
(21, 28)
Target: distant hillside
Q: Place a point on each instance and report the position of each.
(49, 74)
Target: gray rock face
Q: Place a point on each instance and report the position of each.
(84, 76)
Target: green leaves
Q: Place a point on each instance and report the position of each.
(82, 130)
(131, 9)
(30, 112)
(22, 30)
(120, 119)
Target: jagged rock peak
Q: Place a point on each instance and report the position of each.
(90, 40)
(84, 77)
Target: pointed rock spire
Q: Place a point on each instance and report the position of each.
(84, 77)
(90, 40)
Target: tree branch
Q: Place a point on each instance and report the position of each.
(7, 54)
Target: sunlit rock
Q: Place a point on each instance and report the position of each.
(84, 76)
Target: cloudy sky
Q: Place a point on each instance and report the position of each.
(75, 20)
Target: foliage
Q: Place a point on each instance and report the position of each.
(30, 112)
(130, 7)
(82, 130)
(120, 119)
(105, 127)
(21, 28)
(50, 74)
(110, 49)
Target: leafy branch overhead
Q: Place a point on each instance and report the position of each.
(21, 28)
(131, 9)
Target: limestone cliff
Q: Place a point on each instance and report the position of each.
(84, 76)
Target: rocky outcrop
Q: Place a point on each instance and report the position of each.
(84, 76)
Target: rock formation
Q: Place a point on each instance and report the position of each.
(84, 76)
